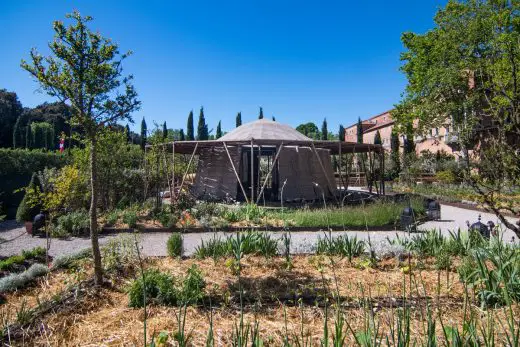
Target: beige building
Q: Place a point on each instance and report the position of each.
(438, 139)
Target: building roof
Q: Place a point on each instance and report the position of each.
(264, 129)
(264, 132)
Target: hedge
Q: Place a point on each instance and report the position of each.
(16, 169)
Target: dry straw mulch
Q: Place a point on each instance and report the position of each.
(101, 316)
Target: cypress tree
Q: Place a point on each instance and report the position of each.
(190, 135)
(164, 131)
(181, 135)
(202, 127)
(16, 132)
(359, 131)
(261, 115)
(143, 134)
(324, 130)
(239, 119)
(28, 136)
(341, 133)
(394, 152)
(377, 138)
(219, 131)
(274, 119)
(127, 133)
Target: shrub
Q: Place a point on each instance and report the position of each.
(162, 289)
(192, 287)
(174, 245)
(130, 218)
(18, 281)
(447, 177)
(206, 209)
(28, 207)
(17, 167)
(112, 217)
(167, 219)
(159, 289)
(119, 252)
(74, 223)
(66, 261)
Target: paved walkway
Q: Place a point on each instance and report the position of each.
(14, 239)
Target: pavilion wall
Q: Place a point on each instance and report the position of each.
(301, 168)
(215, 177)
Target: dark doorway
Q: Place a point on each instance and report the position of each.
(263, 161)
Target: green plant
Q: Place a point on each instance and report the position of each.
(9, 263)
(343, 245)
(174, 245)
(159, 288)
(163, 289)
(112, 217)
(130, 218)
(35, 253)
(192, 286)
(74, 223)
(68, 260)
(215, 247)
(119, 253)
(20, 280)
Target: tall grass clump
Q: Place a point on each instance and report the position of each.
(251, 243)
(342, 245)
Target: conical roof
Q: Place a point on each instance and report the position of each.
(264, 129)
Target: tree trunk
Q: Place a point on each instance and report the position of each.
(98, 270)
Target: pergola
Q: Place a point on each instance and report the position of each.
(277, 137)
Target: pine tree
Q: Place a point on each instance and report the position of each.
(377, 138)
(239, 119)
(359, 131)
(261, 115)
(341, 133)
(324, 130)
(144, 131)
(127, 133)
(202, 127)
(218, 134)
(190, 135)
(164, 131)
(181, 135)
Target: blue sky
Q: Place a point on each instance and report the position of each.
(300, 61)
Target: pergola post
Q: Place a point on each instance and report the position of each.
(252, 173)
(270, 172)
(188, 167)
(236, 173)
(173, 172)
(340, 175)
(323, 169)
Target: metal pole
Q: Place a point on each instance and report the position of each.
(173, 169)
(323, 169)
(236, 173)
(188, 167)
(269, 174)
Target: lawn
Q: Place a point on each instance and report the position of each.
(376, 214)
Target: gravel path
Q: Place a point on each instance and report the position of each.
(14, 239)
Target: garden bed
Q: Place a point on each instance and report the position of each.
(308, 297)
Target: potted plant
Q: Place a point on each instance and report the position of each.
(28, 209)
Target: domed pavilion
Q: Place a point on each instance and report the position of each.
(263, 160)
